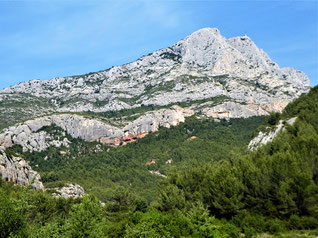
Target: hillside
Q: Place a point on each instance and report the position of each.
(206, 138)
(100, 169)
(205, 75)
(272, 190)
(205, 72)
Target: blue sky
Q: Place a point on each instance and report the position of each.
(44, 39)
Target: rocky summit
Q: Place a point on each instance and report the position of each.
(205, 74)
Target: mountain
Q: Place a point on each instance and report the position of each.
(216, 186)
(216, 152)
(205, 74)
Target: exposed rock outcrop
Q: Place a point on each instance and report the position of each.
(203, 66)
(267, 136)
(71, 190)
(18, 171)
(157, 172)
(31, 136)
(151, 121)
(234, 110)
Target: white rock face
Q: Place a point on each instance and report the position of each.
(214, 76)
(265, 137)
(30, 136)
(152, 121)
(156, 172)
(71, 190)
(17, 170)
(234, 110)
(202, 66)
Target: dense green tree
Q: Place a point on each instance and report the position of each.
(12, 219)
(215, 187)
(84, 217)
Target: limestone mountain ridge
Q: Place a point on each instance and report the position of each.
(205, 73)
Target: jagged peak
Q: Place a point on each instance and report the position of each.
(252, 52)
(204, 35)
(204, 52)
(240, 42)
(202, 47)
(206, 31)
(241, 38)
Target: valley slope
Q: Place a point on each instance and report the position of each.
(215, 186)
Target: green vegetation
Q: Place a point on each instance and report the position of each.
(100, 169)
(99, 103)
(134, 113)
(170, 55)
(306, 107)
(215, 101)
(74, 100)
(20, 107)
(214, 188)
(222, 79)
